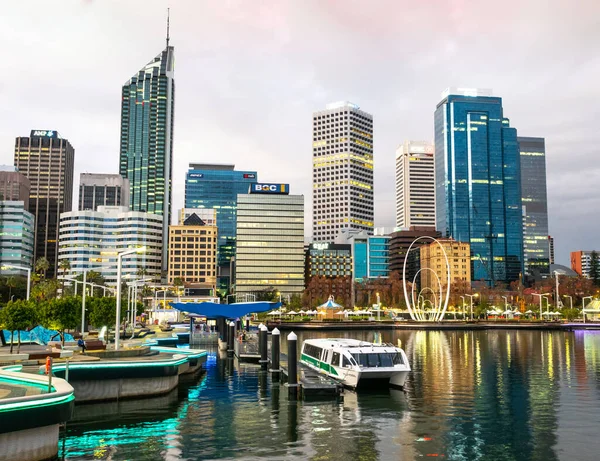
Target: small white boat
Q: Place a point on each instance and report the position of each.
(357, 364)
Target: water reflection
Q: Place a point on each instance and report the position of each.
(490, 395)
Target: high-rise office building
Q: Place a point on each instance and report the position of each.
(147, 114)
(415, 184)
(270, 240)
(14, 186)
(91, 240)
(217, 187)
(581, 261)
(478, 183)
(102, 190)
(342, 171)
(16, 237)
(536, 255)
(370, 253)
(400, 241)
(47, 160)
(433, 265)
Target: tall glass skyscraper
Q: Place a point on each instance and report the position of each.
(535, 206)
(147, 110)
(217, 186)
(478, 183)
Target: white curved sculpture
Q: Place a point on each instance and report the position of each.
(414, 310)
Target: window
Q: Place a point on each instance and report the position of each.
(336, 358)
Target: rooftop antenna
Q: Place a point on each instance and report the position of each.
(168, 14)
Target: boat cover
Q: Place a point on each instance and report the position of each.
(228, 311)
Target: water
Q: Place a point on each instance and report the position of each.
(486, 395)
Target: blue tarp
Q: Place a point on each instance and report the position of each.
(228, 311)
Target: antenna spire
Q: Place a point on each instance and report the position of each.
(168, 14)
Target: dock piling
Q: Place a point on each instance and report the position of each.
(230, 339)
(262, 345)
(275, 352)
(292, 383)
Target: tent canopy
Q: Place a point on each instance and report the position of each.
(227, 311)
(330, 304)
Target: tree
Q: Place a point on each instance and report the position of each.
(102, 312)
(295, 302)
(18, 316)
(595, 268)
(11, 283)
(41, 266)
(44, 290)
(61, 315)
(65, 266)
(268, 294)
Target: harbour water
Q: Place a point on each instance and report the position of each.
(472, 395)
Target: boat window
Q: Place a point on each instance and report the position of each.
(336, 359)
(373, 360)
(312, 351)
(346, 363)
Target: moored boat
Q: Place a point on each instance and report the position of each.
(357, 364)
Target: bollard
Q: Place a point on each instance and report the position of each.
(275, 351)
(247, 324)
(238, 324)
(49, 372)
(67, 369)
(292, 364)
(262, 346)
(230, 339)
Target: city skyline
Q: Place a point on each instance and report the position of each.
(256, 49)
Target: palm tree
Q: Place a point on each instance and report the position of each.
(11, 282)
(65, 265)
(41, 266)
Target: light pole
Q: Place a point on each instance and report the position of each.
(471, 297)
(378, 306)
(570, 300)
(540, 295)
(583, 305)
(118, 315)
(463, 306)
(23, 268)
(547, 306)
(557, 294)
(505, 303)
(83, 304)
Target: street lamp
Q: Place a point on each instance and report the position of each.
(118, 315)
(540, 295)
(378, 306)
(547, 306)
(583, 305)
(570, 300)
(463, 306)
(505, 303)
(471, 297)
(23, 268)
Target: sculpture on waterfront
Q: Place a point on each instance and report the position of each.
(415, 307)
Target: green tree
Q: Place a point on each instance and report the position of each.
(595, 268)
(61, 315)
(41, 266)
(295, 302)
(11, 283)
(45, 290)
(102, 312)
(268, 294)
(65, 266)
(18, 316)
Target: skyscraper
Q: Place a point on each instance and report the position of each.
(102, 190)
(46, 159)
(147, 111)
(217, 186)
(478, 184)
(14, 185)
(415, 184)
(270, 241)
(342, 171)
(535, 206)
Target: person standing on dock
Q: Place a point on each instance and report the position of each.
(81, 343)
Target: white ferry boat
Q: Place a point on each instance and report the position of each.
(355, 363)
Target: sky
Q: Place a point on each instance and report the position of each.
(249, 75)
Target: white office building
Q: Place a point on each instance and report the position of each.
(91, 240)
(342, 171)
(415, 184)
(16, 237)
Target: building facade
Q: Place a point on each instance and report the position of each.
(91, 240)
(432, 260)
(328, 260)
(400, 241)
(102, 190)
(146, 154)
(536, 252)
(14, 186)
(193, 254)
(370, 253)
(551, 248)
(208, 215)
(342, 195)
(17, 231)
(270, 242)
(415, 184)
(581, 261)
(46, 159)
(216, 187)
(478, 182)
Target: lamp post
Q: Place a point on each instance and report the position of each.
(83, 304)
(471, 297)
(378, 306)
(23, 268)
(118, 315)
(570, 300)
(583, 305)
(547, 306)
(463, 306)
(540, 295)
(505, 303)
(556, 274)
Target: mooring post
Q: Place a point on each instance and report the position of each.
(230, 339)
(262, 343)
(292, 380)
(275, 352)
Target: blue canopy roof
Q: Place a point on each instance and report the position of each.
(228, 311)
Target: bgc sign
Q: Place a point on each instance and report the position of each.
(281, 189)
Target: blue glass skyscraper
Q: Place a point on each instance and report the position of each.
(217, 187)
(478, 185)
